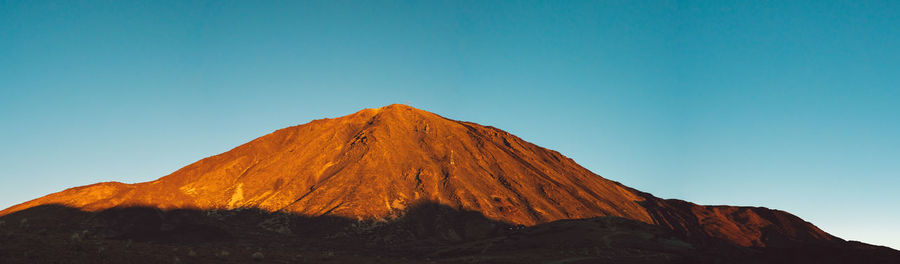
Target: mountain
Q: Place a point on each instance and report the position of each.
(377, 164)
(371, 164)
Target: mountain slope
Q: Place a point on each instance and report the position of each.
(375, 163)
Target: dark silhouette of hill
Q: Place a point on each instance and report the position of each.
(426, 232)
(420, 179)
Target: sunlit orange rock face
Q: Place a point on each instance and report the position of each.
(375, 163)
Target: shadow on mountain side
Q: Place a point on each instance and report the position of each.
(426, 233)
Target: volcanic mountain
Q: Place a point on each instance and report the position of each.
(376, 163)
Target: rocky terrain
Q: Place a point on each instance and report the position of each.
(398, 184)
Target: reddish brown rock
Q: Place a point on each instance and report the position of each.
(375, 163)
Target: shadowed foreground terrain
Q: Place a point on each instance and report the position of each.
(427, 233)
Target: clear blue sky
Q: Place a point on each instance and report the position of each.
(790, 105)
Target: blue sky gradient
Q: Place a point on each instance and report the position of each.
(792, 106)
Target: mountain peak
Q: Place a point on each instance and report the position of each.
(391, 114)
(396, 107)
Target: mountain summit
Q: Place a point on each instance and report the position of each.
(375, 163)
